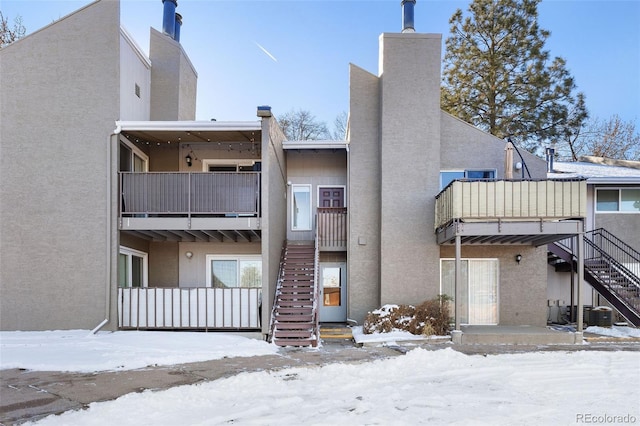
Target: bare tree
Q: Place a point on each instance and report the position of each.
(302, 125)
(613, 138)
(9, 34)
(340, 126)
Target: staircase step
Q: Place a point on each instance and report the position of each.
(294, 310)
(294, 342)
(293, 318)
(301, 291)
(297, 284)
(294, 326)
(298, 277)
(279, 334)
(295, 297)
(295, 303)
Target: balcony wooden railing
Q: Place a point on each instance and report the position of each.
(185, 194)
(332, 228)
(488, 200)
(189, 308)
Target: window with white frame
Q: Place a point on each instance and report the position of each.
(618, 200)
(132, 159)
(234, 271)
(132, 268)
(479, 289)
(301, 208)
(228, 165)
(448, 176)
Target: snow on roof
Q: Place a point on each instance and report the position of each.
(595, 173)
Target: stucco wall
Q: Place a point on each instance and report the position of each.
(164, 260)
(466, 147)
(165, 158)
(193, 271)
(134, 243)
(135, 69)
(274, 211)
(522, 289)
(59, 103)
(410, 166)
(173, 80)
(363, 272)
(624, 226)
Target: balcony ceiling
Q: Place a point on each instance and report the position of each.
(182, 236)
(534, 233)
(191, 131)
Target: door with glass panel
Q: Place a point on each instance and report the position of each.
(301, 208)
(479, 289)
(132, 268)
(333, 292)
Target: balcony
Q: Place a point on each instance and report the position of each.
(532, 212)
(332, 228)
(191, 206)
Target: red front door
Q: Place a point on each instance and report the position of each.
(331, 197)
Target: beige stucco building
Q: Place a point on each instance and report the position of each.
(142, 218)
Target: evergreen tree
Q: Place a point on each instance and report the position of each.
(498, 77)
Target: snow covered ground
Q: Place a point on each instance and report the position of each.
(436, 387)
(81, 351)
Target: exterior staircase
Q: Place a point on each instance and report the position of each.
(611, 267)
(294, 320)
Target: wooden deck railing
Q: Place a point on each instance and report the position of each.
(332, 228)
(175, 193)
(487, 200)
(189, 308)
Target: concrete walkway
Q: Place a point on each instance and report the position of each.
(32, 395)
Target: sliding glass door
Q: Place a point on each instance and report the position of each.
(479, 289)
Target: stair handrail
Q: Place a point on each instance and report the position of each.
(272, 325)
(599, 245)
(623, 251)
(612, 262)
(316, 286)
(607, 246)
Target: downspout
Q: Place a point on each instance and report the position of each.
(107, 307)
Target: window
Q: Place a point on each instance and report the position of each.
(619, 200)
(132, 159)
(137, 90)
(301, 208)
(479, 304)
(132, 268)
(448, 176)
(234, 271)
(230, 165)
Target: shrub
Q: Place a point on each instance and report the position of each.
(429, 318)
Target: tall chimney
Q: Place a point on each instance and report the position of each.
(407, 16)
(169, 18)
(176, 36)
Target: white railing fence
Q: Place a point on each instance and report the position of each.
(189, 308)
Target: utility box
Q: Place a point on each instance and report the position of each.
(601, 316)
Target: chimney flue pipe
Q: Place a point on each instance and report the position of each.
(407, 16)
(176, 36)
(169, 18)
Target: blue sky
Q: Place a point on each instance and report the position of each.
(309, 45)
